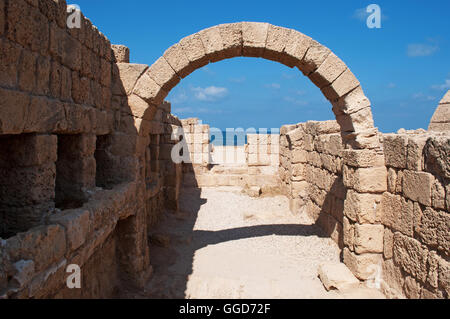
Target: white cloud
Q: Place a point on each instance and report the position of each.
(361, 14)
(207, 70)
(391, 85)
(182, 110)
(421, 49)
(423, 97)
(210, 93)
(273, 86)
(288, 76)
(179, 97)
(445, 86)
(238, 80)
(295, 101)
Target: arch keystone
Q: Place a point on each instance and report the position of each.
(254, 35)
(231, 34)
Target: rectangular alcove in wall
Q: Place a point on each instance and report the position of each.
(27, 181)
(104, 175)
(152, 160)
(75, 171)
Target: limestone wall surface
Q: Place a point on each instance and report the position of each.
(81, 180)
(415, 211)
(311, 173)
(253, 165)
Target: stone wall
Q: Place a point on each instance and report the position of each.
(415, 212)
(253, 165)
(311, 173)
(81, 180)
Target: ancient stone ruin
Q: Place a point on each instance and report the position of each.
(86, 166)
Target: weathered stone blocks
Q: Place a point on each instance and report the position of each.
(121, 53)
(362, 266)
(163, 74)
(366, 180)
(369, 238)
(254, 35)
(194, 50)
(363, 208)
(417, 186)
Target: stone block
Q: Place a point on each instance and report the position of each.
(395, 150)
(369, 238)
(398, 213)
(77, 226)
(438, 195)
(362, 158)
(356, 122)
(366, 180)
(13, 107)
(362, 266)
(345, 83)
(2, 17)
(129, 74)
(121, 53)
(433, 230)
(213, 44)
(314, 58)
(349, 233)
(254, 36)
(388, 244)
(149, 90)
(329, 71)
(231, 35)
(417, 186)
(277, 38)
(44, 245)
(415, 153)
(411, 256)
(352, 102)
(363, 208)
(163, 74)
(336, 276)
(437, 153)
(177, 59)
(31, 27)
(195, 51)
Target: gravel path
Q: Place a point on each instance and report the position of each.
(225, 244)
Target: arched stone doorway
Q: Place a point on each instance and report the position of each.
(363, 172)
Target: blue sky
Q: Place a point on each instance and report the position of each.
(404, 67)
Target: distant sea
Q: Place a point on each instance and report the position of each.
(234, 138)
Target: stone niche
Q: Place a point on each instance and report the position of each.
(27, 181)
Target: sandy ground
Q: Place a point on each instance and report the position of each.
(225, 244)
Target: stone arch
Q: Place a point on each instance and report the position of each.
(287, 46)
(441, 117)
